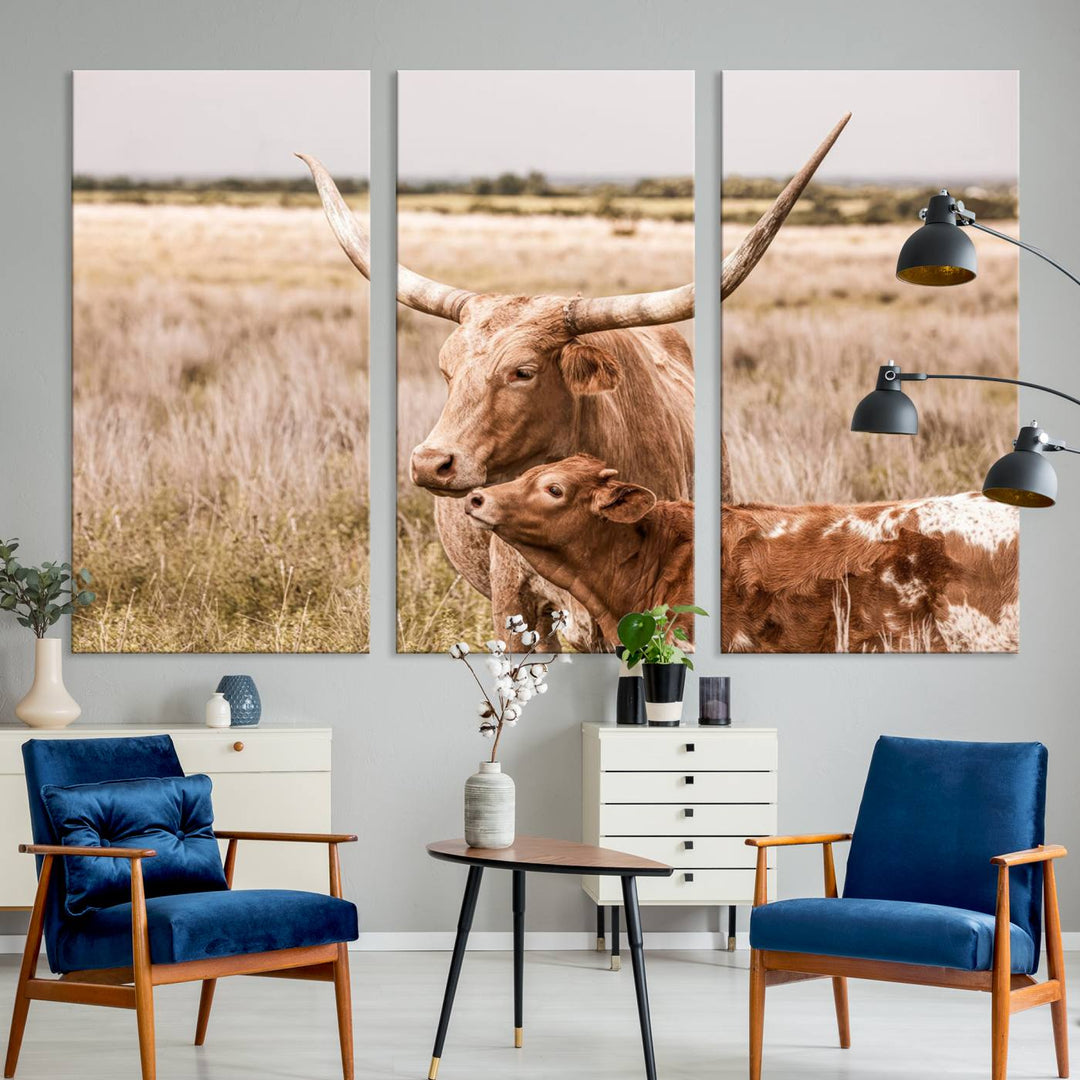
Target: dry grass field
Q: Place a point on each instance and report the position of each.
(803, 338)
(509, 254)
(220, 430)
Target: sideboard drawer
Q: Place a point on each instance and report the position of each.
(670, 787)
(260, 751)
(709, 888)
(703, 852)
(686, 750)
(673, 820)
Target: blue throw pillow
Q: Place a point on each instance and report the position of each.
(172, 815)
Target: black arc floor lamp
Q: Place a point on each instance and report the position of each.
(939, 253)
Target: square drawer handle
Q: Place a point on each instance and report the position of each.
(688, 779)
(688, 878)
(689, 747)
(688, 812)
(688, 845)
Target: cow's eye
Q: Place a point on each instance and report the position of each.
(555, 491)
(524, 374)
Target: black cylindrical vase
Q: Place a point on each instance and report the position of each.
(714, 694)
(664, 685)
(630, 700)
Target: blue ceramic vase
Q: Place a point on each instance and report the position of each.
(243, 699)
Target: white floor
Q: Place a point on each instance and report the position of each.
(580, 1021)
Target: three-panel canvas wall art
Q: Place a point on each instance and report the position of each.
(545, 359)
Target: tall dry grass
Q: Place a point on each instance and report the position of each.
(220, 431)
(803, 338)
(507, 254)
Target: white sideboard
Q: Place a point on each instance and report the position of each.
(273, 779)
(688, 797)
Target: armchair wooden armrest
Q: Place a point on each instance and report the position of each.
(100, 852)
(763, 843)
(1042, 853)
(792, 841)
(299, 838)
(332, 839)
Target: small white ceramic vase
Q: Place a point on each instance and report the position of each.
(48, 704)
(218, 711)
(489, 808)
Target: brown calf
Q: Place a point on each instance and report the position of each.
(609, 543)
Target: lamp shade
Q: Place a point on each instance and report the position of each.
(886, 412)
(939, 253)
(1022, 478)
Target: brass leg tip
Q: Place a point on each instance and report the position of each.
(601, 946)
(616, 963)
(433, 1072)
(731, 944)
(518, 1038)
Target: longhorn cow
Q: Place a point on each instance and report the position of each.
(533, 379)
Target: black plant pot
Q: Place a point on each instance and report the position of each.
(664, 685)
(630, 700)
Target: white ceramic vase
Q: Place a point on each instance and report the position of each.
(218, 711)
(489, 808)
(48, 704)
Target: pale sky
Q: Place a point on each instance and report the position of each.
(935, 126)
(562, 123)
(160, 124)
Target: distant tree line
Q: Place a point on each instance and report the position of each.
(866, 204)
(536, 183)
(301, 184)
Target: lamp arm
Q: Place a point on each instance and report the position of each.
(1020, 244)
(918, 376)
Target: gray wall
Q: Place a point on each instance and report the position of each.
(403, 734)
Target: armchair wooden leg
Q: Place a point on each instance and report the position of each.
(29, 968)
(1055, 968)
(757, 1011)
(144, 987)
(1001, 981)
(343, 992)
(843, 1025)
(206, 1000)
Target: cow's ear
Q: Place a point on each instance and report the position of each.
(587, 369)
(625, 503)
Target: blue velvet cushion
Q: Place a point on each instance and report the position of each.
(897, 930)
(933, 815)
(171, 815)
(198, 926)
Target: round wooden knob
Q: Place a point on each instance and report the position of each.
(238, 746)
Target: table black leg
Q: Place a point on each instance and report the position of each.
(637, 957)
(600, 943)
(468, 909)
(616, 957)
(731, 911)
(519, 955)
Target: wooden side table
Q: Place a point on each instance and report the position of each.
(541, 855)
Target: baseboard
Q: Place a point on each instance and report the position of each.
(538, 941)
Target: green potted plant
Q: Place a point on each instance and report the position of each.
(651, 638)
(38, 596)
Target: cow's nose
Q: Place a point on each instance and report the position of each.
(476, 500)
(432, 464)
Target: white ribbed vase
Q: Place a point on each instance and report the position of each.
(48, 704)
(489, 807)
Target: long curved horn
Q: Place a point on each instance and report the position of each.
(414, 290)
(745, 257)
(674, 305)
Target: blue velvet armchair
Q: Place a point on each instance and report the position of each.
(132, 893)
(945, 875)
